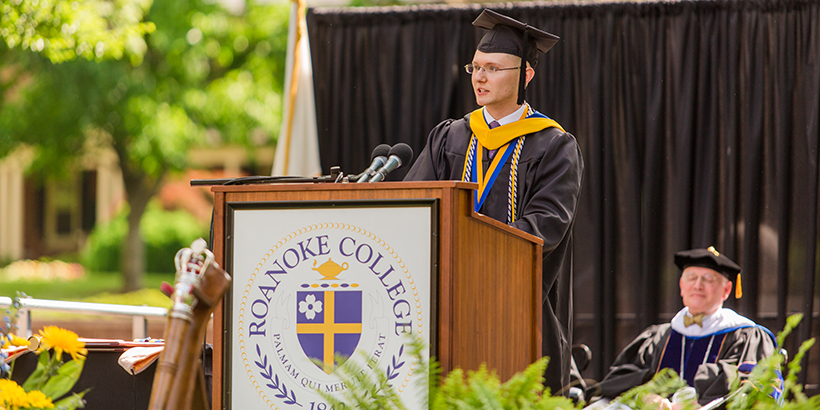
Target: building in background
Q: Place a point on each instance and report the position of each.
(49, 218)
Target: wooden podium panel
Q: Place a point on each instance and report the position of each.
(487, 301)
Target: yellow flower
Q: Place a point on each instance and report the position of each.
(62, 340)
(39, 400)
(12, 395)
(18, 341)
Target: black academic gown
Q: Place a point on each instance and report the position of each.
(659, 347)
(549, 184)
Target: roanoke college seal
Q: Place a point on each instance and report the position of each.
(322, 295)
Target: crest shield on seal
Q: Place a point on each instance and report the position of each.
(329, 322)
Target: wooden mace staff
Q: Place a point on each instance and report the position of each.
(179, 383)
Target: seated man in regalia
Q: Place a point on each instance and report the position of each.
(704, 343)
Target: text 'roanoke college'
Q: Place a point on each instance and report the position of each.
(351, 251)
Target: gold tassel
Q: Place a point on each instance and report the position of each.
(738, 288)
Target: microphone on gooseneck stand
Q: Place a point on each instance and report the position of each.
(399, 155)
(378, 158)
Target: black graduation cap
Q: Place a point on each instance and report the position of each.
(510, 36)
(712, 259)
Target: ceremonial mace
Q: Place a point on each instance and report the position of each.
(179, 382)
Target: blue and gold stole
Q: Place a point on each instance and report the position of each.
(500, 138)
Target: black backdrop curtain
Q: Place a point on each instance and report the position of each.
(698, 123)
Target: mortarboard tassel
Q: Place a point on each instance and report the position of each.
(738, 288)
(522, 75)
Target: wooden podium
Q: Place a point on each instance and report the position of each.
(486, 287)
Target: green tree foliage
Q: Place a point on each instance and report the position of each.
(65, 29)
(208, 76)
(62, 30)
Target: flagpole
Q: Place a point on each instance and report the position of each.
(294, 80)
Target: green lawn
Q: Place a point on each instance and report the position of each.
(93, 287)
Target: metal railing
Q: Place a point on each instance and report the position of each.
(139, 314)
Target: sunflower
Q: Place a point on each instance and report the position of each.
(62, 340)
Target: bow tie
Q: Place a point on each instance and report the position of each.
(691, 320)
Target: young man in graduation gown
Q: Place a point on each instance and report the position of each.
(527, 167)
(705, 343)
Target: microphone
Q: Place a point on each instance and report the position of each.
(399, 155)
(378, 158)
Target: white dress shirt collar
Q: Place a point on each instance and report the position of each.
(515, 116)
(722, 319)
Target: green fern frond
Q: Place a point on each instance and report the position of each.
(453, 387)
(665, 383)
(484, 376)
(366, 387)
(484, 391)
(554, 403)
(755, 392)
(790, 384)
(527, 386)
(483, 385)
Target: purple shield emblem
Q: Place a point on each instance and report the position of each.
(329, 323)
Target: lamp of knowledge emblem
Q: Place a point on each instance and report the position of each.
(329, 321)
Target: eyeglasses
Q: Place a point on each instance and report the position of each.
(706, 278)
(488, 69)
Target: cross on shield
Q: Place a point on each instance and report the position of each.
(329, 323)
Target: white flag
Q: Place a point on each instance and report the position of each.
(297, 150)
